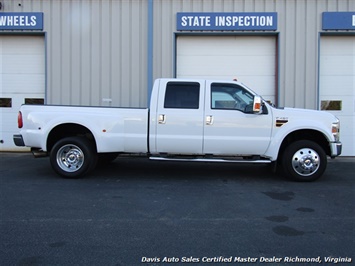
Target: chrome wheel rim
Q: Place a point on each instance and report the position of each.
(305, 162)
(70, 158)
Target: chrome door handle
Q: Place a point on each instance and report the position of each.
(161, 119)
(209, 120)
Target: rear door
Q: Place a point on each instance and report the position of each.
(230, 126)
(180, 117)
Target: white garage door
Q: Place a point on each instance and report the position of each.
(337, 85)
(250, 59)
(22, 79)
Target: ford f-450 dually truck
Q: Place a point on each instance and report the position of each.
(188, 120)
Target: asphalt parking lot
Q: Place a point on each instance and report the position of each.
(140, 212)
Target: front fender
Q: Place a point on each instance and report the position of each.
(283, 132)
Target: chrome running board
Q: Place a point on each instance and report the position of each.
(216, 160)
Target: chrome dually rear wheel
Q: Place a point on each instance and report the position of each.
(73, 157)
(70, 158)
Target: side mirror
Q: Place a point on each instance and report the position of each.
(257, 105)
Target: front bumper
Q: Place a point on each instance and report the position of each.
(18, 140)
(335, 149)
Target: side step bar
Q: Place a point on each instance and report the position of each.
(38, 153)
(216, 160)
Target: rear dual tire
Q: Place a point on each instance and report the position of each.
(73, 157)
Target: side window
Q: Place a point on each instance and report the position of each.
(182, 95)
(230, 97)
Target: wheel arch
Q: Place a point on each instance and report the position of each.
(305, 134)
(68, 130)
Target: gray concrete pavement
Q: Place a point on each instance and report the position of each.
(139, 212)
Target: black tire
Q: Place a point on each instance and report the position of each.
(304, 160)
(73, 157)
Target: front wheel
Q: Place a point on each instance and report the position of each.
(304, 160)
(73, 157)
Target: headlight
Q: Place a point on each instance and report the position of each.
(336, 130)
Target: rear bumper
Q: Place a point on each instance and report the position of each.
(37, 152)
(335, 149)
(18, 140)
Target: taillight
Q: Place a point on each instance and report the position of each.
(19, 120)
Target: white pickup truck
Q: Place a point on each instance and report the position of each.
(188, 120)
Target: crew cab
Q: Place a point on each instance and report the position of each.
(188, 120)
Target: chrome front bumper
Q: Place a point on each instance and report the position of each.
(335, 149)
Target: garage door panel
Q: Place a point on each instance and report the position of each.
(250, 59)
(337, 83)
(30, 45)
(7, 122)
(229, 46)
(225, 51)
(347, 130)
(341, 85)
(346, 125)
(22, 64)
(337, 65)
(22, 75)
(11, 84)
(344, 47)
(348, 145)
(217, 65)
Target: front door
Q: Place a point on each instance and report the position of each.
(230, 127)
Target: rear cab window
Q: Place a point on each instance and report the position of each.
(182, 95)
